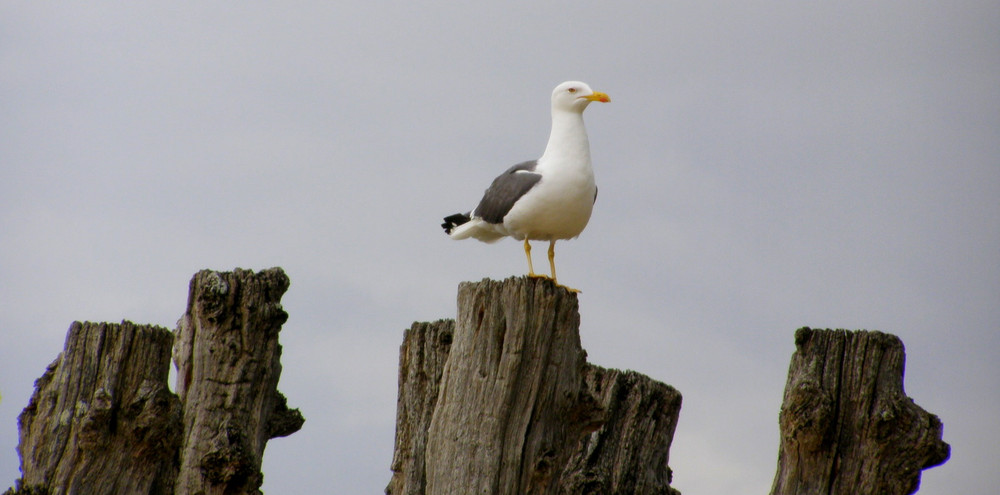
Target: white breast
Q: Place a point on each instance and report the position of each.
(559, 207)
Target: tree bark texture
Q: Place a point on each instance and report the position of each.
(421, 362)
(847, 426)
(630, 451)
(228, 364)
(506, 403)
(102, 419)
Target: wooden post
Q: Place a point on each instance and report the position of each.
(228, 364)
(847, 427)
(630, 451)
(507, 403)
(421, 362)
(103, 421)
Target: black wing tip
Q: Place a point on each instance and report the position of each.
(452, 221)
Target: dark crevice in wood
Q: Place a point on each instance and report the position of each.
(103, 420)
(540, 420)
(846, 425)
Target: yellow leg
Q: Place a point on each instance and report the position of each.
(552, 260)
(552, 265)
(527, 252)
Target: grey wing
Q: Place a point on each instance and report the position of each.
(505, 190)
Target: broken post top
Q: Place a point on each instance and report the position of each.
(503, 401)
(103, 421)
(846, 424)
(519, 283)
(538, 296)
(211, 291)
(228, 366)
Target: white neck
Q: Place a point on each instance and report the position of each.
(568, 138)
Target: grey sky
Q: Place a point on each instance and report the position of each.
(762, 166)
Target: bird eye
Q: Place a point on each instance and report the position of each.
(572, 90)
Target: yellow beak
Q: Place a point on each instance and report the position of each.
(598, 96)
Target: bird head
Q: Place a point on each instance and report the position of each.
(574, 96)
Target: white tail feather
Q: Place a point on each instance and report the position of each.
(478, 229)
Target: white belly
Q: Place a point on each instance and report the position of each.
(559, 207)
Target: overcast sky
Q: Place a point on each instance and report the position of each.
(762, 165)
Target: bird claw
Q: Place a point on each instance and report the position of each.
(554, 282)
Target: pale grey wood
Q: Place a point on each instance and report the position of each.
(228, 365)
(102, 419)
(512, 378)
(847, 426)
(421, 363)
(518, 409)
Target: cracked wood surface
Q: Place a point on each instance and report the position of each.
(228, 365)
(847, 426)
(502, 401)
(102, 419)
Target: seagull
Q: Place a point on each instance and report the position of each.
(547, 199)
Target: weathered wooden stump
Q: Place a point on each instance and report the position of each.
(630, 451)
(228, 364)
(103, 421)
(500, 401)
(421, 362)
(503, 401)
(847, 427)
